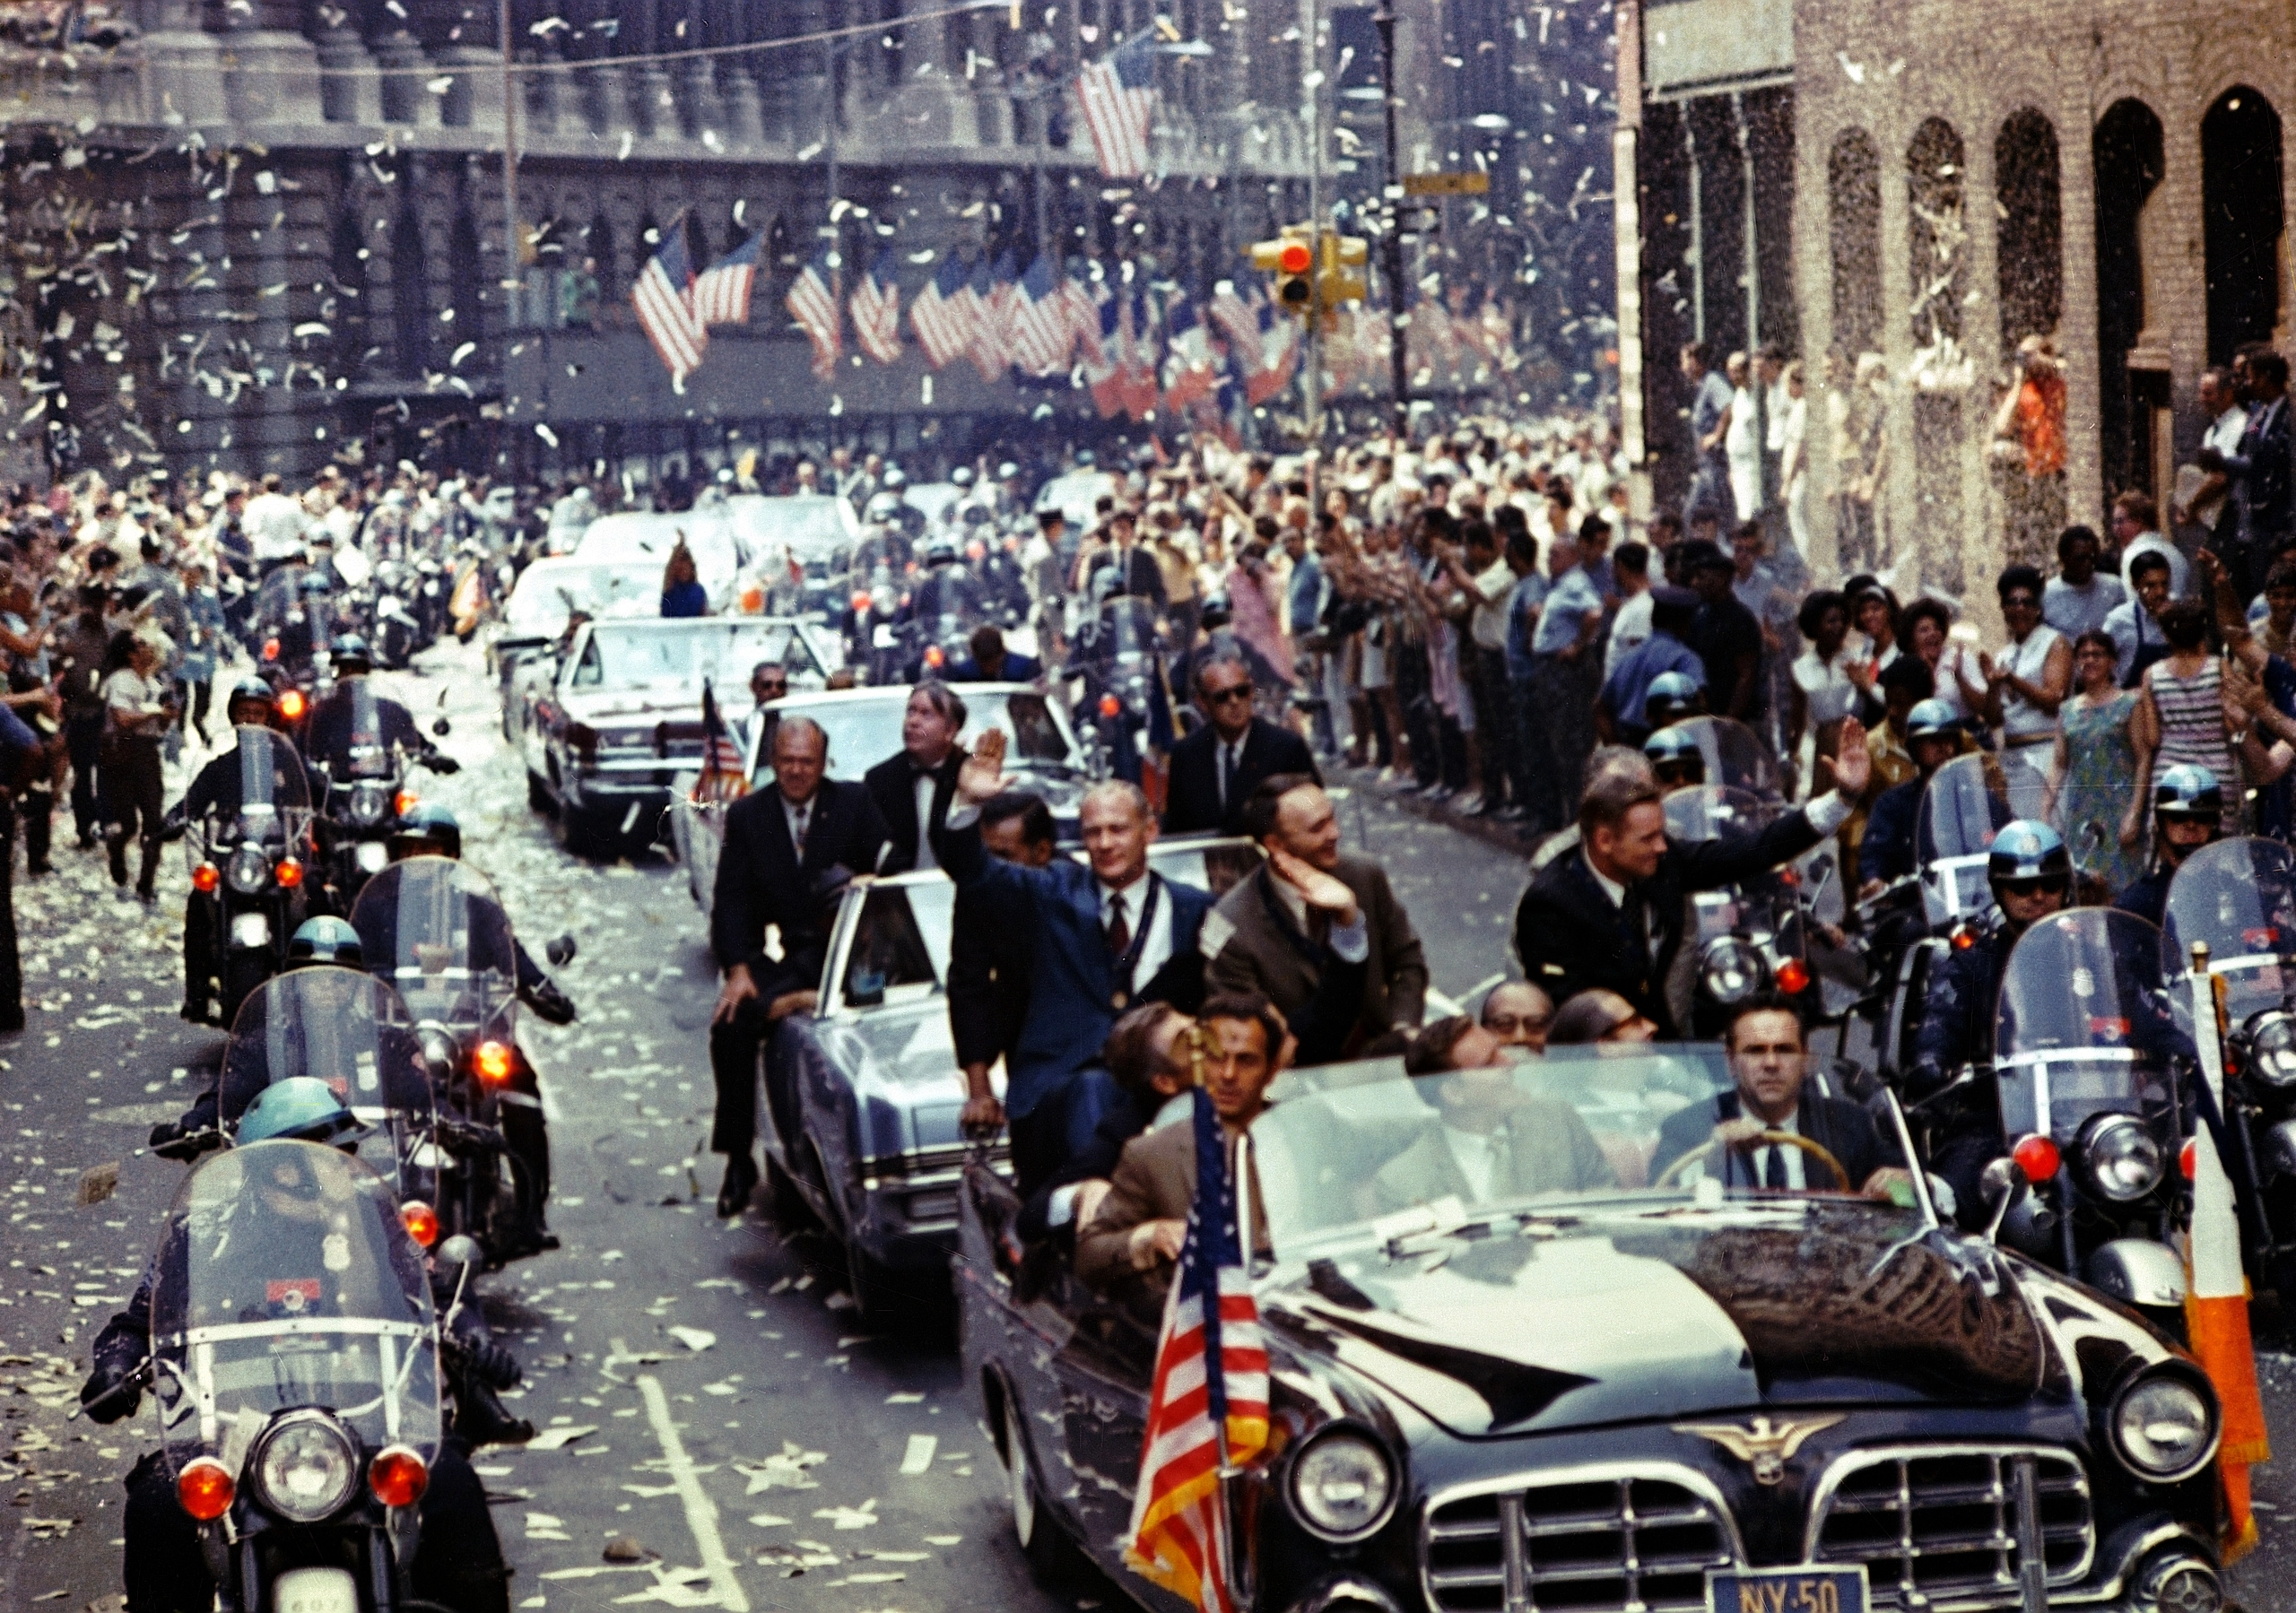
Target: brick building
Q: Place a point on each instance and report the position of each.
(1934, 183)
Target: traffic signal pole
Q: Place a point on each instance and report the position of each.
(1391, 240)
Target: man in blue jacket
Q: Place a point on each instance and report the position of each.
(1108, 937)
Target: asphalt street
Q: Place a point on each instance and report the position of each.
(717, 1428)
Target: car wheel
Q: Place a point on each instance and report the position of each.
(791, 1213)
(577, 832)
(877, 1296)
(1054, 1559)
(538, 793)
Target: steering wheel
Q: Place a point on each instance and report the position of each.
(1817, 1151)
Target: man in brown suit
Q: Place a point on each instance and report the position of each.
(1307, 909)
(1134, 1235)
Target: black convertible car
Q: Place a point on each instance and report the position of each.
(1587, 1390)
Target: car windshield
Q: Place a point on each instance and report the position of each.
(550, 591)
(864, 732)
(1362, 1150)
(814, 529)
(630, 538)
(621, 656)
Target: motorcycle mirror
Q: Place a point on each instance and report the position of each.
(2003, 1184)
(561, 952)
(442, 728)
(460, 1250)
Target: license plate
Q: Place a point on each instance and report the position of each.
(314, 1590)
(1800, 1589)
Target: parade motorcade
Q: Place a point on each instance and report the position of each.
(1116, 690)
(1821, 1401)
(434, 930)
(607, 727)
(294, 1359)
(367, 792)
(863, 728)
(801, 543)
(721, 560)
(861, 1098)
(2238, 899)
(548, 596)
(254, 863)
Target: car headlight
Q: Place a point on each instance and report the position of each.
(2272, 1048)
(248, 871)
(2123, 1158)
(2164, 1428)
(369, 801)
(1342, 1485)
(1730, 969)
(305, 1467)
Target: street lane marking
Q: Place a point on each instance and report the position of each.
(700, 1512)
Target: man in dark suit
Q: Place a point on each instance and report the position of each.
(1215, 769)
(1105, 937)
(1491, 1141)
(912, 787)
(1611, 916)
(1768, 1060)
(991, 663)
(788, 848)
(1134, 562)
(990, 949)
(2261, 469)
(1308, 907)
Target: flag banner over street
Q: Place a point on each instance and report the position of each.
(663, 298)
(721, 294)
(1118, 96)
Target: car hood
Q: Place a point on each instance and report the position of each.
(1630, 1317)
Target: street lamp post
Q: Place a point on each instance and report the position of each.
(1391, 238)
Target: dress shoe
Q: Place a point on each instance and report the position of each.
(741, 1182)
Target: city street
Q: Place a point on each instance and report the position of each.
(717, 1429)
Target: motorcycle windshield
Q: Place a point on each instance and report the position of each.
(434, 929)
(1710, 811)
(1127, 627)
(1968, 801)
(284, 1281)
(281, 593)
(351, 717)
(2238, 897)
(1734, 756)
(275, 792)
(340, 1026)
(2084, 1025)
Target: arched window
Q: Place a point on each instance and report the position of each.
(2240, 202)
(1937, 262)
(2130, 159)
(1854, 228)
(1937, 234)
(2029, 255)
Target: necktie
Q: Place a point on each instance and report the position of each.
(1119, 932)
(1227, 760)
(1773, 1170)
(799, 821)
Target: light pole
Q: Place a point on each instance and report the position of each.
(1391, 226)
(513, 275)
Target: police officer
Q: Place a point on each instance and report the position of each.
(1932, 737)
(329, 738)
(1672, 698)
(458, 1562)
(430, 830)
(2187, 813)
(1676, 760)
(2030, 873)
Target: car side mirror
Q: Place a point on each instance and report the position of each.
(561, 952)
(442, 728)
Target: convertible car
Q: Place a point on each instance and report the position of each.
(1603, 1387)
(863, 728)
(605, 728)
(858, 1101)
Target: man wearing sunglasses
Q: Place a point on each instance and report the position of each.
(2031, 874)
(1215, 769)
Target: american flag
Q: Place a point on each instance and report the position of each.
(1042, 333)
(812, 304)
(721, 296)
(1279, 351)
(1085, 292)
(1208, 1401)
(1119, 95)
(722, 778)
(1188, 361)
(1140, 357)
(663, 301)
(876, 307)
(1104, 355)
(944, 323)
(992, 295)
(1237, 322)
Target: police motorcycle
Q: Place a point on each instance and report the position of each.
(1116, 665)
(2094, 1074)
(433, 929)
(944, 609)
(294, 1359)
(395, 631)
(993, 556)
(2237, 898)
(252, 865)
(367, 783)
(1778, 931)
(880, 595)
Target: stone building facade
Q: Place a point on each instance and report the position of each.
(1934, 184)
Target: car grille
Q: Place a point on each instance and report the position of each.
(1939, 1526)
(1591, 1540)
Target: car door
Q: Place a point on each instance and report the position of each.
(1103, 1373)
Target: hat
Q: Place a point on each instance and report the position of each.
(1666, 596)
(1698, 555)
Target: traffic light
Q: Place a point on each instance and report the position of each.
(1342, 256)
(1290, 260)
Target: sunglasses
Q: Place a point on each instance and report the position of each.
(1223, 697)
(2033, 886)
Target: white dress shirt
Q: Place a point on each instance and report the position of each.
(1156, 948)
(1753, 1168)
(1476, 1154)
(798, 816)
(924, 786)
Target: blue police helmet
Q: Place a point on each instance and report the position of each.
(1933, 720)
(325, 941)
(303, 1106)
(2026, 849)
(1678, 686)
(2188, 791)
(430, 827)
(1672, 745)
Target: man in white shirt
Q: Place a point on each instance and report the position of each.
(275, 524)
(1742, 443)
(2205, 505)
(2080, 597)
(1630, 627)
(2136, 521)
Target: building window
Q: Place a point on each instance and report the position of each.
(1937, 253)
(2240, 202)
(2129, 158)
(2029, 255)
(1854, 218)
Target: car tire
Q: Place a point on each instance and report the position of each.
(791, 1212)
(577, 832)
(538, 798)
(1055, 1561)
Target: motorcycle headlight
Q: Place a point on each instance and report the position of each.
(2164, 1428)
(305, 1467)
(369, 801)
(2272, 1048)
(2122, 1159)
(1342, 1486)
(248, 871)
(1730, 970)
